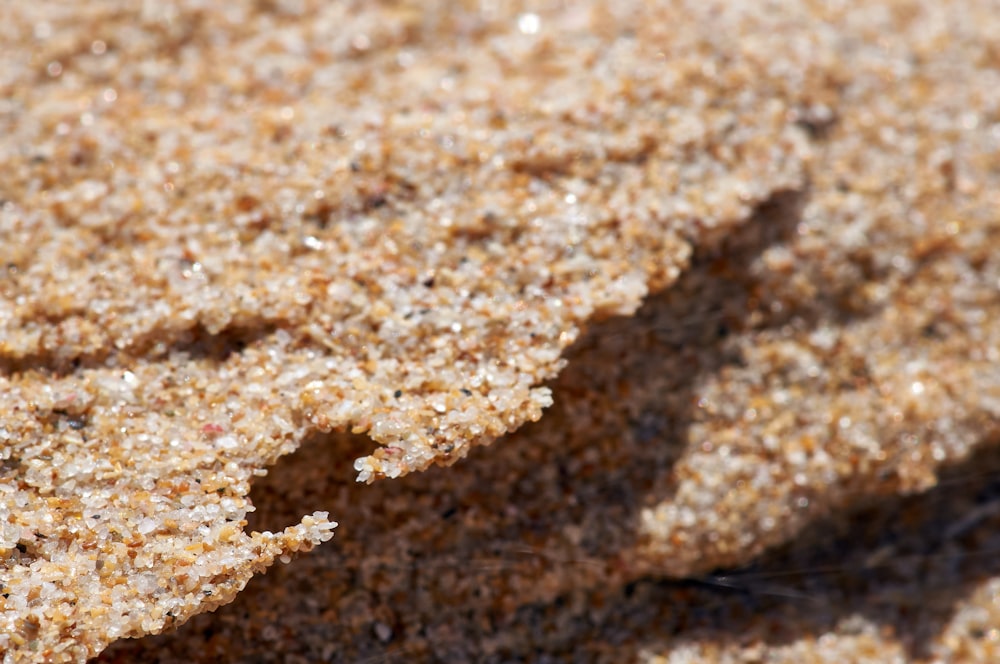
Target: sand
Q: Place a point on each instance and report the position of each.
(233, 234)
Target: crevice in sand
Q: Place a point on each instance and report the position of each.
(195, 342)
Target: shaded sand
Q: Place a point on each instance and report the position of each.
(263, 233)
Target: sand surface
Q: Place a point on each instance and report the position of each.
(720, 281)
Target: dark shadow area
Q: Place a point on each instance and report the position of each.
(900, 562)
(318, 474)
(903, 561)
